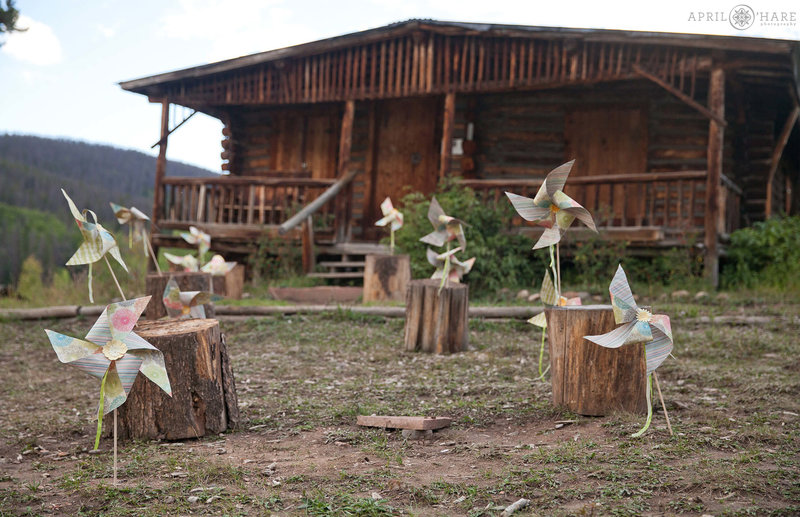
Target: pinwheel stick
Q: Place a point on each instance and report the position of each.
(541, 359)
(446, 268)
(663, 406)
(558, 267)
(114, 277)
(391, 241)
(153, 254)
(115, 446)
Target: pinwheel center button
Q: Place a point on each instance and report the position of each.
(643, 315)
(554, 208)
(114, 349)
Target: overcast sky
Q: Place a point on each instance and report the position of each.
(60, 77)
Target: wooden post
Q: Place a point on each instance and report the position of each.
(307, 237)
(716, 134)
(780, 144)
(345, 144)
(588, 378)
(436, 319)
(203, 390)
(386, 278)
(161, 163)
(187, 281)
(446, 153)
(231, 284)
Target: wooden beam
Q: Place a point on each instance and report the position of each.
(679, 94)
(447, 134)
(418, 423)
(345, 206)
(776, 156)
(161, 163)
(164, 137)
(716, 135)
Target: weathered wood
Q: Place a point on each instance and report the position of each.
(386, 277)
(203, 388)
(417, 423)
(161, 164)
(231, 284)
(155, 284)
(436, 319)
(780, 144)
(716, 137)
(710, 113)
(447, 134)
(587, 378)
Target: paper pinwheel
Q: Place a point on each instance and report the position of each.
(137, 219)
(187, 262)
(455, 269)
(185, 304)
(114, 353)
(393, 216)
(97, 241)
(446, 228)
(200, 239)
(552, 208)
(640, 326)
(217, 266)
(550, 297)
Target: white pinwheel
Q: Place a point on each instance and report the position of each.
(391, 216)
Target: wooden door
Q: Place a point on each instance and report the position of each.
(605, 141)
(406, 152)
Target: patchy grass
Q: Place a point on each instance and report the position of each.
(733, 392)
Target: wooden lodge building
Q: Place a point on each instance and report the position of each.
(679, 139)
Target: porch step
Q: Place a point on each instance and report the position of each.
(341, 264)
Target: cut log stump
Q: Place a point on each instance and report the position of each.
(203, 391)
(187, 281)
(231, 284)
(436, 321)
(587, 378)
(386, 278)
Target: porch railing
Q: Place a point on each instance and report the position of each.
(671, 201)
(240, 200)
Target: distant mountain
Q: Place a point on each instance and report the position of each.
(32, 172)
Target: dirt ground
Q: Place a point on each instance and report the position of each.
(732, 391)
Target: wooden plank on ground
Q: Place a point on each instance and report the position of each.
(417, 423)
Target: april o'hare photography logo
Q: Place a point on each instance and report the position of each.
(742, 17)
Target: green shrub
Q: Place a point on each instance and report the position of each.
(30, 285)
(503, 258)
(764, 255)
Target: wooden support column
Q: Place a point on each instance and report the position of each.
(716, 134)
(447, 134)
(161, 169)
(344, 205)
(776, 157)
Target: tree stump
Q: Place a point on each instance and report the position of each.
(436, 321)
(187, 281)
(231, 284)
(587, 378)
(203, 391)
(386, 278)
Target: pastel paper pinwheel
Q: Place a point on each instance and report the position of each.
(200, 239)
(445, 227)
(185, 304)
(137, 231)
(552, 208)
(455, 269)
(97, 241)
(113, 353)
(217, 266)
(392, 217)
(549, 297)
(639, 326)
(187, 262)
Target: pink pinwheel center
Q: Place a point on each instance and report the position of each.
(123, 320)
(643, 315)
(114, 349)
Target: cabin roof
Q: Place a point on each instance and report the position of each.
(146, 85)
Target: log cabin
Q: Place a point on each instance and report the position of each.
(679, 139)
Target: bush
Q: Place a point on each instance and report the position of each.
(764, 255)
(30, 287)
(503, 258)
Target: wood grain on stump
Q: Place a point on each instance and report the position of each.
(386, 277)
(203, 391)
(187, 281)
(436, 321)
(231, 284)
(587, 378)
